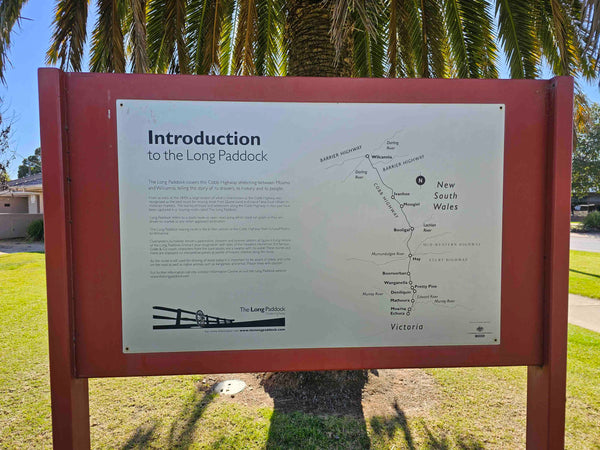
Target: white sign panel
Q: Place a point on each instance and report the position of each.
(309, 225)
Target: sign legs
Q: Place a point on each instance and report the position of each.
(546, 384)
(546, 406)
(70, 412)
(70, 401)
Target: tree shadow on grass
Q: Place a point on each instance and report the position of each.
(388, 426)
(317, 410)
(585, 273)
(142, 437)
(182, 429)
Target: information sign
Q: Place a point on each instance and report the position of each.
(249, 225)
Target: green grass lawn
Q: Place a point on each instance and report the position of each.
(576, 226)
(584, 274)
(477, 408)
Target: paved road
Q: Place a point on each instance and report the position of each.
(588, 242)
(584, 312)
(19, 245)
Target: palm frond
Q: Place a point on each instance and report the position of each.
(243, 52)
(392, 44)
(69, 34)
(544, 30)
(166, 27)
(361, 52)
(227, 38)
(158, 51)
(179, 31)
(517, 34)
(417, 42)
(432, 37)
(202, 46)
(340, 12)
(284, 46)
(490, 51)
(108, 52)
(479, 38)
(346, 13)
(458, 44)
(378, 47)
(195, 28)
(269, 34)
(560, 38)
(590, 25)
(582, 115)
(369, 48)
(137, 36)
(586, 61)
(409, 29)
(564, 34)
(10, 13)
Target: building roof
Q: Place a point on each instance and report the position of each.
(22, 187)
(31, 180)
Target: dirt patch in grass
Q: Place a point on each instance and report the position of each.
(343, 393)
(413, 390)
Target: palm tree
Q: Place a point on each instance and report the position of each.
(372, 38)
(9, 15)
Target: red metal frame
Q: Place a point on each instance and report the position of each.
(83, 252)
(546, 383)
(70, 409)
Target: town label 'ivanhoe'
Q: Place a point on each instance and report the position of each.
(200, 139)
(250, 225)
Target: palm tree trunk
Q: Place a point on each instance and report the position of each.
(311, 52)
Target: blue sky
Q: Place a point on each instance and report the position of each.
(28, 52)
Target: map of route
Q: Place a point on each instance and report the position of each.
(420, 213)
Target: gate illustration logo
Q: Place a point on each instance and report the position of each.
(178, 318)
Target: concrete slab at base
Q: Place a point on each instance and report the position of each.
(584, 312)
(229, 387)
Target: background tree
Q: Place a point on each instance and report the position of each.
(6, 155)
(31, 165)
(586, 157)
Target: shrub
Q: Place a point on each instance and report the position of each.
(35, 230)
(592, 221)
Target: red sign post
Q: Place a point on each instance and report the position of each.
(81, 193)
